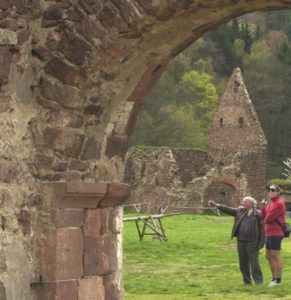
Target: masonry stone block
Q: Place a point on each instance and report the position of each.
(75, 49)
(62, 254)
(78, 194)
(43, 161)
(117, 194)
(64, 72)
(68, 217)
(92, 149)
(92, 256)
(66, 96)
(104, 216)
(24, 221)
(115, 219)
(8, 37)
(64, 141)
(5, 61)
(64, 290)
(91, 288)
(92, 223)
(78, 165)
(6, 104)
(113, 289)
(116, 146)
(9, 171)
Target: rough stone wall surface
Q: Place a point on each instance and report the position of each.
(236, 126)
(183, 179)
(73, 77)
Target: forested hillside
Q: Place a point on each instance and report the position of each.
(179, 110)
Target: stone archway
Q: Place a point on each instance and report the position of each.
(222, 192)
(73, 77)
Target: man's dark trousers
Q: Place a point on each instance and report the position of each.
(249, 262)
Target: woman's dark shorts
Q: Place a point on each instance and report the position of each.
(273, 242)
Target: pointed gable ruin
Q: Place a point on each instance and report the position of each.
(236, 126)
(237, 141)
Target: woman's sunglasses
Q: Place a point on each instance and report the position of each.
(272, 190)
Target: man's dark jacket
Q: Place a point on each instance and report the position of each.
(258, 233)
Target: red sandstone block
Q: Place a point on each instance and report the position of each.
(78, 194)
(92, 223)
(69, 217)
(65, 290)
(92, 253)
(115, 219)
(117, 194)
(104, 214)
(91, 288)
(62, 254)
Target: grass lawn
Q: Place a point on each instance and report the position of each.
(198, 261)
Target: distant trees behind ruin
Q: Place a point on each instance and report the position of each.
(179, 110)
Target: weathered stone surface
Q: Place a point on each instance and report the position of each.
(9, 171)
(116, 146)
(75, 49)
(93, 31)
(100, 255)
(78, 194)
(104, 216)
(64, 95)
(69, 217)
(43, 161)
(64, 72)
(6, 104)
(92, 253)
(24, 221)
(41, 52)
(91, 288)
(62, 254)
(94, 110)
(3, 266)
(5, 61)
(4, 4)
(78, 165)
(117, 194)
(8, 37)
(115, 220)
(109, 17)
(66, 142)
(61, 167)
(2, 291)
(113, 287)
(92, 223)
(92, 150)
(54, 12)
(65, 290)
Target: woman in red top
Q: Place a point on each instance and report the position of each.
(273, 215)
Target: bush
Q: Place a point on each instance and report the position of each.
(283, 183)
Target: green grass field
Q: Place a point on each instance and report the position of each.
(198, 261)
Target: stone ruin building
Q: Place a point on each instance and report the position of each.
(185, 179)
(73, 77)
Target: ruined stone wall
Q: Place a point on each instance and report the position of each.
(185, 179)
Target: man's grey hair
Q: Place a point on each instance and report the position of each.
(252, 200)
